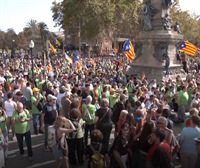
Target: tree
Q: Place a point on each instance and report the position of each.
(189, 24)
(43, 30)
(96, 17)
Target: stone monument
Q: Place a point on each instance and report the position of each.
(159, 42)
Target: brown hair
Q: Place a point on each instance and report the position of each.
(96, 136)
(196, 120)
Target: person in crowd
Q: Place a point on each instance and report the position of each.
(66, 104)
(118, 107)
(188, 150)
(89, 113)
(49, 113)
(156, 140)
(195, 103)
(60, 95)
(21, 118)
(95, 147)
(2, 154)
(4, 131)
(160, 159)
(27, 92)
(10, 107)
(183, 98)
(193, 112)
(104, 123)
(197, 141)
(120, 148)
(36, 101)
(60, 147)
(21, 98)
(76, 139)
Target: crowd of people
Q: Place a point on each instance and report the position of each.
(94, 113)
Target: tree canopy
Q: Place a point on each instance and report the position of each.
(97, 16)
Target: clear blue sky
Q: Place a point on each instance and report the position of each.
(16, 13)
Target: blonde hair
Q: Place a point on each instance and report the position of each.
(59, 121)
(194, 112)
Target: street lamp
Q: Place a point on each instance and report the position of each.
(31, 46)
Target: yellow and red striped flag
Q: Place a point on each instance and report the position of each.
(52, 49)
(128, 50)
(188, 48)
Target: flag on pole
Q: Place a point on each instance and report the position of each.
(68, 59)
(52, 49)
(49, 68)
(128, 50)
(76, 56)
(188, 48)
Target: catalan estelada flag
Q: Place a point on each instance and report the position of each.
(52, 49)
(128, 50)
(68, 59)
(188, 48)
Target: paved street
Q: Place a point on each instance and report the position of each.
(41, 159)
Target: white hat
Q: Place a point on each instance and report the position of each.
(51, 97)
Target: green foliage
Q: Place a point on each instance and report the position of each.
(189, 24)
(97, 16)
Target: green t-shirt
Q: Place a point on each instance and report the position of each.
(3, 122)
(183, 98)
(21, 127)
(90, 113)
(113, 100)
(34, 109)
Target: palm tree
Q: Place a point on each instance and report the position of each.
(33, 25)
(43, 30)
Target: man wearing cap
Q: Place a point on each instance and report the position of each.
(48, 117)
(36, 109)
(197, 140)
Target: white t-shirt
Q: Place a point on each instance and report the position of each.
(9, 106)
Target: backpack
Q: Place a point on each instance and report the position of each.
(97, 160)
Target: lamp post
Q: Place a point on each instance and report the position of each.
(31, 46)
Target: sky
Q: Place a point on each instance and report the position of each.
(17, 13)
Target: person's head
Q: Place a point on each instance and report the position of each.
(156, 137)
(51, 99)
(19, 95)
(50, 86)
(75, 113)
(36, 91)
(75, 102)
(166, 113)
(10, 95)
(152, 98)
(104, 103)
(96, 136)
(194, 112)
(20, 107)
(89, 99)
(122, 98)
(195, 121)
(123, 115)
(162, 122)
(60, 122)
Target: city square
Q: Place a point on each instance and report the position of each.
(99, 84)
